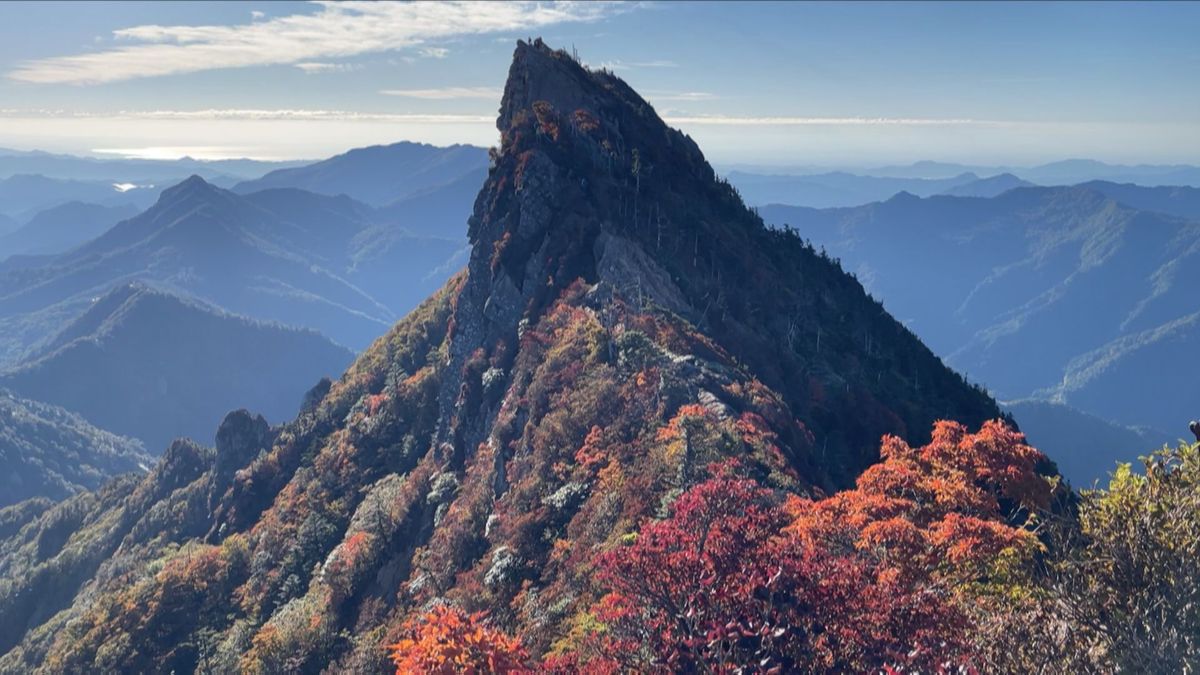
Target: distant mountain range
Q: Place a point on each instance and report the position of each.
(824, 189)
(1069, 293)
(987, 187)
(63, 227)
(379, 175)
(123, 170)
(837, 188)
(1086, 448)
(46, 451)
(284, 255)
(346, 245)
(151, 365)
(24, 195)
(79, 326)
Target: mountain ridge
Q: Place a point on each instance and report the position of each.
(48, 452)
(1030, 281)
(258, 255)
(377, 175)
(118, 365)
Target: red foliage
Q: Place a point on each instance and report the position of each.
(739, 580)
(547, 118)
(591, 455)
(445, 640)
(375, 402)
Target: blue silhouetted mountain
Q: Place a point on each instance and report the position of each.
(124, 170)
(145, 363)
(1065, 172)
(62, 227)
(1176, 200)
(836, 188)
(438, 211)
(378, 175)
(23, 196)
(805, 187)
(1146, 377)
(987, 187)
(282, 255)
(1072, 171)
(46, 451)
(1052, 291)
(1085, 447)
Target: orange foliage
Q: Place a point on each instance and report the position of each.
(547, 118)
(586, 121)
(674, 428)
(375, 402)
(879, 576)
(591, 455)
(445, 640)
(933, 511)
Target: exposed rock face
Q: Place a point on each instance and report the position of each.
(589, 183)
(240, 438)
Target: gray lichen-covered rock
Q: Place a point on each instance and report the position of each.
(240, 438)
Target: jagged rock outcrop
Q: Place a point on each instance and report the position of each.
(589, 183)
(240, 438)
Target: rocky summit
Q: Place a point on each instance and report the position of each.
(624, 323)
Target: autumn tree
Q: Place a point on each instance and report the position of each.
(741, 579)
(1122, 593)
(445, 641)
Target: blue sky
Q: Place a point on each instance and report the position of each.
(773, 83)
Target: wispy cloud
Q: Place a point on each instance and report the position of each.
(314, 67)
(446, 93)
(729, 120)
(434, 52)
(336, 30)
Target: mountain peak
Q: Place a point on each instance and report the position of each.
(539, 73)
(194, 181)
(192, 187)
(590, 185)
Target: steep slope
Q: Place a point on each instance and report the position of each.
(378, 175)
(1028, 282)
(62, 227)
(439, 211)
(623, 322)
(1140, 378)
(48, 452)
(153, 366)
(279, 255)
(1085, 447)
